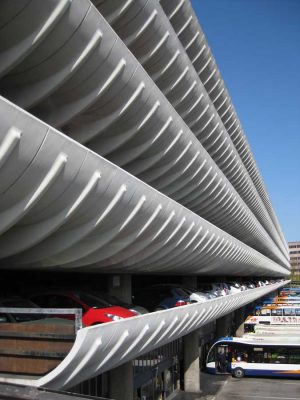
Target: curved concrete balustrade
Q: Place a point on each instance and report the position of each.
(64, 206)
(147, 32)
(186, 25)
(100, 348)
(73, 71)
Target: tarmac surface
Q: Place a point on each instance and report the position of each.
(224, 387)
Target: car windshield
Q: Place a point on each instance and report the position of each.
(21, 303)
(181, 292)
(112, 300)
(91, 301)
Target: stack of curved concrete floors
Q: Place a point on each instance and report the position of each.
(162, 186)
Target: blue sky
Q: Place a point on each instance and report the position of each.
(256, 44)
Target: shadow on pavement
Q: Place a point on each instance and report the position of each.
(210, 386)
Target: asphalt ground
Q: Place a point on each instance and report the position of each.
(259, 389)
(225, 387)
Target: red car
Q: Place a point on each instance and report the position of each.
(94, 310)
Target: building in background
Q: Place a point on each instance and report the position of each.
(294, 249)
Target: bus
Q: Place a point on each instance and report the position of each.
(291, 330)
(291, 292)
(282, 299)
(271, 335)
(273, 315)
(251, 357)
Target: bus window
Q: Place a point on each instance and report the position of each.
(294, 357)
(289, 311)
(249, 328)
(279, 356)
(257, 355)
(222, 359)
(277, 312)
(297, 311)
(267, 356)
(211, 356)
(265, 312)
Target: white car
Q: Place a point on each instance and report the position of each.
(221, 288)
(234, 287)
(208, 288)
(196, 295)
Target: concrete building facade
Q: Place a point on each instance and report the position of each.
(294, 248)
(122, 157)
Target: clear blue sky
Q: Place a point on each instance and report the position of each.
(256, 44)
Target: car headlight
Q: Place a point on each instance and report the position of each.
(113, 317)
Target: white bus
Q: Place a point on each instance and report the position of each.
(273, 315)
(278, 329)
(249, 357)
(271, 335)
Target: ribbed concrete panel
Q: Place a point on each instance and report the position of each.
(64, 206)
(73, 71)
(100, 348)
(146, 30)
(186, 25)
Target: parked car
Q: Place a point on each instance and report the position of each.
(210, 295)
(196, 295)
(234, 287)
(94, 310)
(250, 285)
(221, 287)
(243, 286)
(210, 289)
(115, 301)
(161, 297)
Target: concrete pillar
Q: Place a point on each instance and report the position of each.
(121, 382)
(239, 319)
(224, 326)
(121, 378)
(191, 362)
(120, 286)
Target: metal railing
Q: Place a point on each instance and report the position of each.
(47, 311)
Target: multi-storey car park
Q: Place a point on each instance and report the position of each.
(122, 157)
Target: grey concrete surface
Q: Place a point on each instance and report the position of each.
(191, 354)
(51, 213)
(72, 71)
(259, 389)
(148, 33)
(224, 387)
(211, 385)
(189, 32)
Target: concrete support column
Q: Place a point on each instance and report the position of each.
(120, 286)
(121, 382)
(191, 355)
(239, 319)
(224, 326)
(121, 378)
